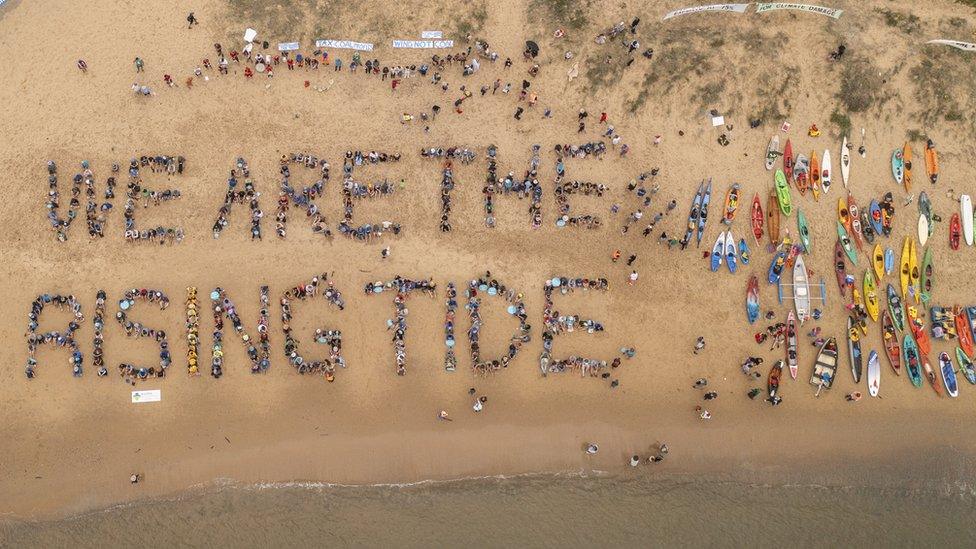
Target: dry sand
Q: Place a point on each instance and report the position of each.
(70, 444)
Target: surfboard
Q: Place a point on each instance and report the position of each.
(874, 374)
(752, 299)
(923, 229)
(966, 215)
(845, 162)
(731, 255)
(889, 261)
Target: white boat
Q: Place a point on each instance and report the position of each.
(874, 373)
(826, 172)
(801, 290)
(845, 162)
(923, 229)
(966, 213)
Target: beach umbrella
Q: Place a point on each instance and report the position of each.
(532, 48)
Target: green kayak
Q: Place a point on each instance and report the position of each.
(845, 242)
(927, 278)
(783, 193)
(801, 223)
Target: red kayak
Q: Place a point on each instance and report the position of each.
(757, 218)
(954, 232)
(788, 161)
(840, 265)
(962, 331)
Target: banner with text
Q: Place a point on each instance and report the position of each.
(288, 46)
(344, 44)
(730, 8)
(965, 46)
(829, 12)
(432, 34)
(420, 44)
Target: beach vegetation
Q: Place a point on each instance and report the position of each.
(842, 122)
(906, 22)
(573, 14)
(861, 84)
(916, 135)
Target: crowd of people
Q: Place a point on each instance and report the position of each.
(137, 193)
(61, 339)
(352, 189)
(450, 358)
(259, 353)
(98, 340)
(462, 154)
(490, 286)
(403, 287)
(528, 187)
(192, 332)
(129, 372)
(566, 188)
(555, 323)
(332, 338)
(240, 196)
(304, 198)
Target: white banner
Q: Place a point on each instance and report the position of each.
(418, 44)
(432, 34)
(964, 46)
(154, 395)
(731, 8)
(829, 12)
(288, 46)
(344, 44)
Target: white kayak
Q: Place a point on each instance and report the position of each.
(874, 374)
(845, 162)
(826, 171)
(772, 151)
(966, 213)
(801, 290)
(923, 230)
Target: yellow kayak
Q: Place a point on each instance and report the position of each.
(879, 261)
(905, 269)
(913, 266)
(871, 296)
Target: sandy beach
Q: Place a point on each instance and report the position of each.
(69, 445)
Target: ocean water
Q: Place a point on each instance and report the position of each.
(529, 511)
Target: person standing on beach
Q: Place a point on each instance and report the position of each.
(632, 279)
(82, 66)
(139, 64)
(699, 344)
(191, 20)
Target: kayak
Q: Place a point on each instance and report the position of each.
(731, 254)
(855, 220)
(889, 261)
(887, 213)
(906, 157)
(895, 309)
(918, 331)
(815, 175)
(801, 291)
(783, 194)
(843, 214)
(840, 266)
(915, 273)
(874, 373)
(905, 268)
(757, 218)
(913, 362)
(752, 299)
(930, 375)
(867, 229)
(966, 216)
(890, 339)
(778, 263)
(694, 215)
(772, 217)
(955, 231)
(718, 252)
(801, 222)
(801, 174)
(825, 171)
(825, 367)
(703, 218)
(854, 348)
(931, 162)
(878, 261)
(788, 161)
(874, 211)
(772, 382)
(925, 209)
(966, 366)
(845, 241)
(871, 296)
(772, 151)
(898, 166)
(791, 345)
(923, 229)
(927, 279)
(743, 251)
(963, 331)
(948, 375)
(731, 204)
(845, 162)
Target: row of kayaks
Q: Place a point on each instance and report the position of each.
(901, 164)
(805, 172)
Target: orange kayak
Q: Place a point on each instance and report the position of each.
(931, 162)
